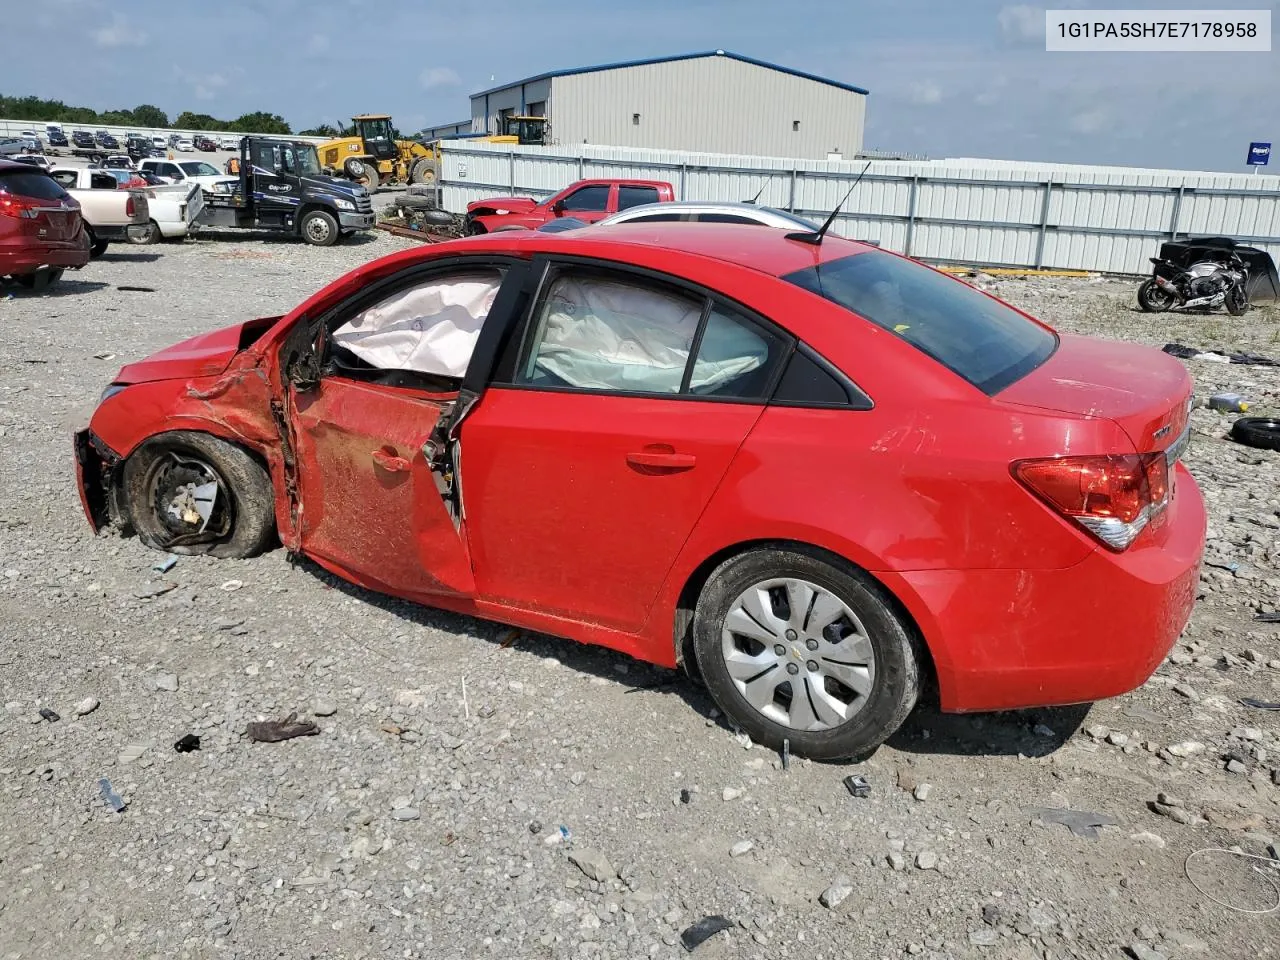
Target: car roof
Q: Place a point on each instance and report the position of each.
(761, 213)
(765, 251)
(15, 165)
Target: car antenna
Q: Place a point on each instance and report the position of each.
(816, 237)
(761, 190)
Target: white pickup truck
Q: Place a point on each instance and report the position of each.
(210, 178)
(110, 213)
(173, 208)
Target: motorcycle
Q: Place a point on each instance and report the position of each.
(1204, 284)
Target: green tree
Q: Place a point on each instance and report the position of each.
(197, 121)
(147, 115)
(260, 122)
(324, 130)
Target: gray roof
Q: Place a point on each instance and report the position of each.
(681, 56)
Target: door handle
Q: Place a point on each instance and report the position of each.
(662, 460)
(390, 462)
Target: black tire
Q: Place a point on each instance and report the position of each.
(436, 218)
(1152, 298)
(895, 686)
(319, 228)
(153, 235)
(41, 280)
(1260, 432)
(475, 228)
(370, 179)
(354, 168)
(96, 247)
(417, 201)
(1236, 300)
(423, 171)
(242, 523)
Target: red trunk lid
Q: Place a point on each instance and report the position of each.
(1146, 392)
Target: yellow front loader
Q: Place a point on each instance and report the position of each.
(373, 155)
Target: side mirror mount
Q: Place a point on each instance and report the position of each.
(558, 207)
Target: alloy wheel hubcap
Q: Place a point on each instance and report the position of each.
(798, 654)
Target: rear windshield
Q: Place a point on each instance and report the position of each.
(23, 184)
(976, 337)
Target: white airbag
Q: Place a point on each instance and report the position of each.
(428, 329)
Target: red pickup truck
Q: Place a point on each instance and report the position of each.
(586, 200)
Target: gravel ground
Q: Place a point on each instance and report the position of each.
(422, 820)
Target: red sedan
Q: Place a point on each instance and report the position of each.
(41, 230)
(823, 477)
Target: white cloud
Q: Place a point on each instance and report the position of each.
(1090, 121)
(319, 43)
(1021, 23)
(120, 33)
(434, 77)
(924, 93)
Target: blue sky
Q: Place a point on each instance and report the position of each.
(947, 77)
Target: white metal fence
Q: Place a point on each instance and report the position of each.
(986, 212)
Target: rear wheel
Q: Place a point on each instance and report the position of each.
(191, 493)
(153, 235)
(1153, 298)
(795, 646)
(96, 247)
(319, 228)
(423, 172)
(370, 179)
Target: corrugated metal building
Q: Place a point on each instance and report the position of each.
(714, 101)
(447, 130)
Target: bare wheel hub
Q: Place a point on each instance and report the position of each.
(190, 499)
(798, 654)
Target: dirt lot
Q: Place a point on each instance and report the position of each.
(431, 842)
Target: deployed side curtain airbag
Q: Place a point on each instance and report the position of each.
(428, 329)
(603, 335)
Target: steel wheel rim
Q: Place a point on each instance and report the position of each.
(189, 500)
(318, 229)
(798, 654)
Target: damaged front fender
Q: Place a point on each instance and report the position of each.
(96, 464)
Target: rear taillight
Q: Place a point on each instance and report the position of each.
(128, 206)
(1112, 497)
(20, 208)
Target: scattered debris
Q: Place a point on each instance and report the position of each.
(740, 848)
(152, 589)
(1083, 823)
(858, 785)
(49, 715)
(593, 864)
(405, 814)
(786, 755)
(109, 796)
(273, 731)
(1259, 704)
(686, 796)
(104, 356)
(560, 835)
(86, 706)
(836, 894)
(1184, 352)
(1186, 869)
(187, 743)
(696, 934)
(165, 565)
(136, 289)
(133, 751)
(231, 585)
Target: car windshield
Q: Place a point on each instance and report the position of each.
(975, 336)
(198, 168)
(306, 161)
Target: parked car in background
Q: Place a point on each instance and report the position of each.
(695, 211)
(11, 146)
(84, 140)
(229, 143)
(57, 138)
(180, 171)
(824, 477)
(118, 162)
(107, 141)
(172, 210)
(41, 229)
(36, 160)
(111, 214)
(586, 200)
(184, 145)
(207, 144)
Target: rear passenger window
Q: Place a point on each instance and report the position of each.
(635, 196)
(725, 218)
(736, 358)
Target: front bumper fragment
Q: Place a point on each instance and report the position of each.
(356, 221)
(95, 478)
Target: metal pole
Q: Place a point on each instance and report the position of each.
(1044, 224)
(1177, 212)
(684, 177)
(582, 156)
(791, 202)
(512, 158)
(911, 214)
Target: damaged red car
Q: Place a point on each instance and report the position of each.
(826, 479)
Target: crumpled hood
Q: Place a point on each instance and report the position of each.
(510, 204)
(205, 355)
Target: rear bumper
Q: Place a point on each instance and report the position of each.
(23, 260)
(1009, 639)
(95, 466)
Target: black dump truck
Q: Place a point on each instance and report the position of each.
(281, 188)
